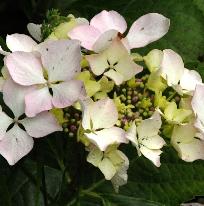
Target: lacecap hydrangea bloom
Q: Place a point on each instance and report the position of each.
(118, 96)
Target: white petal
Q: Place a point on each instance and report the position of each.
(25, 68)
(153, 155)
(127, 68)
(190, 79)
(41, 125)
(107, 20)
(5, 121)
(98, 63)
(198, 102)
(188, 147)
(146, 29)
(172, 67)
(120, 178)
(16, 144)
(20, 42)
(14, 96)
(95, 157)
(67, 93)
(107, 168)
(103, 138)
(131, 134)
(38, 101)
(149, 127)
(35, 31)
(154, 142)
(86, 118)
(115, 76)
(103, 114)
(61, 59)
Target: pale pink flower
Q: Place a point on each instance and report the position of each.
(106, 25)
(115, 62)
(16, 132)
(53, 68)
(146, 138)
(98, 122)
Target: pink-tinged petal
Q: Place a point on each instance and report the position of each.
(61, 59)
(172, 67)
(86, 34)
(5, 121)
(200, 126)
(98, 63)
(104, 41)
(198, 102)
(67, 93)
(14, 96)
(41, 125)
(25, 68)
(107, 20)
(2, 81)
(103, 138)
(147, 29)
(190, 79)
(153, 155)
(103, 114)
(20, 42)
(38, 101)
(115, 76)
(15, 145)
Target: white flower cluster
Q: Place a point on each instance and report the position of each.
(86, 62)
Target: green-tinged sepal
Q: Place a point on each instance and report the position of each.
(174, 115)
(153, 60)
(81, 137)
(167, 130)
(160, 101)
(155, 82)
(91, 85)
(59, 115)
(136, 57)
(106, 85)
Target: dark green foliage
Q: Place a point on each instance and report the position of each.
(52, 20)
